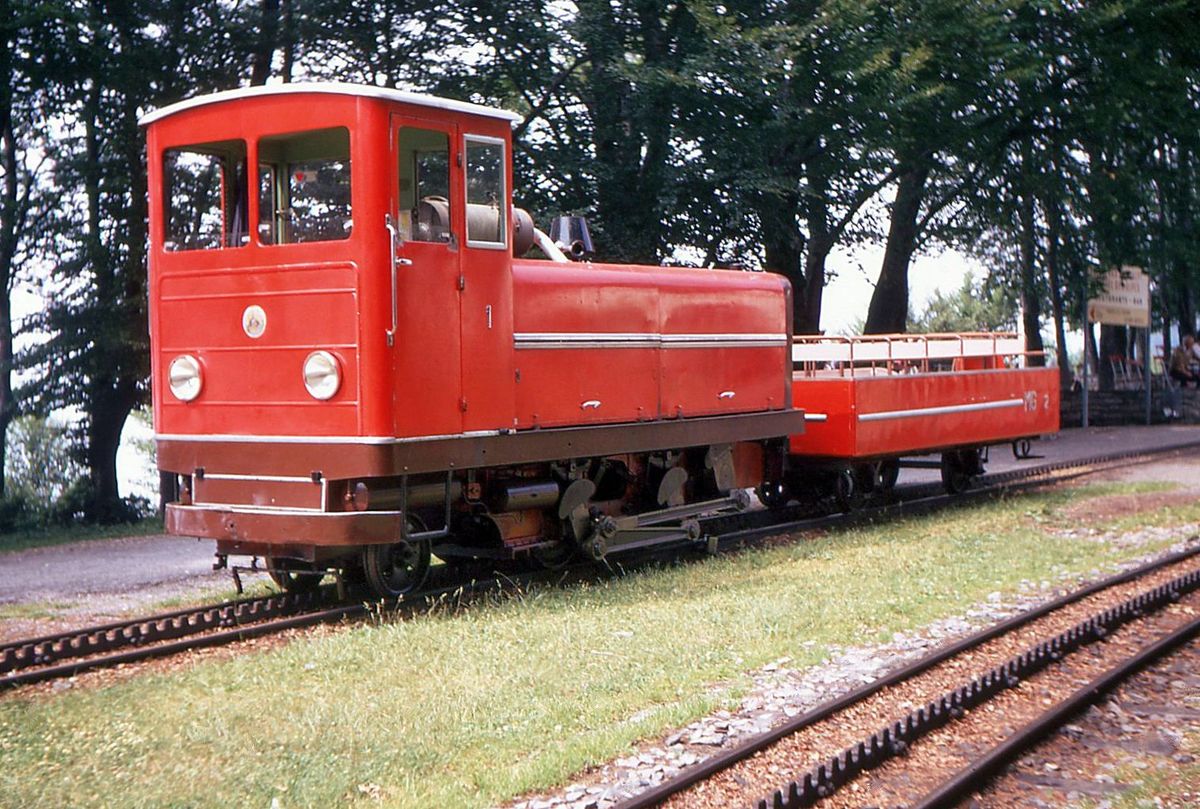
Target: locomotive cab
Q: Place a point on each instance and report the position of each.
(352, 370)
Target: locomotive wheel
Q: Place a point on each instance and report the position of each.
(293, 577)
(395, 569)
(888, 474)
(772, 494)
(554, 556)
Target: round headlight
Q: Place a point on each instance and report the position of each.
(321, 375)
(184, 378)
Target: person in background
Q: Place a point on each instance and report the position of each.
(1182, 368)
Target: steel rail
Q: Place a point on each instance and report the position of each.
(147, 634)
(223, 637)
(895, 739)
(49, 649)
(756, 744)
(977, 774)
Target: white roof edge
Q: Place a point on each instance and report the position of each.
(332, 88)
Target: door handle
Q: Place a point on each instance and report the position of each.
(392, 236)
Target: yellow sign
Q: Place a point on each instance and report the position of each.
(1124, 301)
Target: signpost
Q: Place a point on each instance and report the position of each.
(1123, 301)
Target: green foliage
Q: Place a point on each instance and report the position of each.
(1048, 137)
(42, 469)
(974, 306)
(47, 485)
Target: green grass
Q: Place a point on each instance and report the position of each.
(32, 610)
(23, 540)
(251, 588)
(469, 707)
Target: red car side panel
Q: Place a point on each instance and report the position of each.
(737, 377)
(576, 384)
(665, 342)
(911, 413)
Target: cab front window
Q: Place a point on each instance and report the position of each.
(204, 196)
(304, 187)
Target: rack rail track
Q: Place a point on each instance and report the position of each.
(66, 654)
(895, 739)
(977, 774)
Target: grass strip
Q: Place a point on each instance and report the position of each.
(466, 707)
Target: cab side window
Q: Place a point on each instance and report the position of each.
(304, 187)
(485, 192)
(204, 196)
(424, 198)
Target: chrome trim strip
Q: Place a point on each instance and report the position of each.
(574, 336)
(767, 339)
(245, 509)
(886, 415)
(816, 417)
(336, 88)
(552, 340)
(263, 478)
(370, 440)
(283, 511)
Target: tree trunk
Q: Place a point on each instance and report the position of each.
(784, 253)
(820, 243)
(109, 412)
(888, 312)
(268, 41)
(289, 42)
(1031, 305)
(12, 222)
(1185, 307)
(631, 129)
(814, 285)
(1053, 222)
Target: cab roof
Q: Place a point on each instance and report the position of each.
(331, 88)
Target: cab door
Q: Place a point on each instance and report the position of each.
(486, 300)
(426, 346)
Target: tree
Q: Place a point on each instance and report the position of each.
(974, 306)
(24, 198)
(110, 62)
(944, 68)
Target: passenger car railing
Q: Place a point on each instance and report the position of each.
(883, 354)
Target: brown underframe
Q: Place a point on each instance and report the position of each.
(296, 533)
(351, 460)
(291, 534)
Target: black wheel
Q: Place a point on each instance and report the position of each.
(399, 568)
(396, 569)
(553, 555)
(772, 495)
(292, 576)
(958, 468)
(865, 478)
(845, 490)
(1021, 448)
(889, 473)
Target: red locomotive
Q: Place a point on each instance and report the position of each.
(353, 367)
(351, 370)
